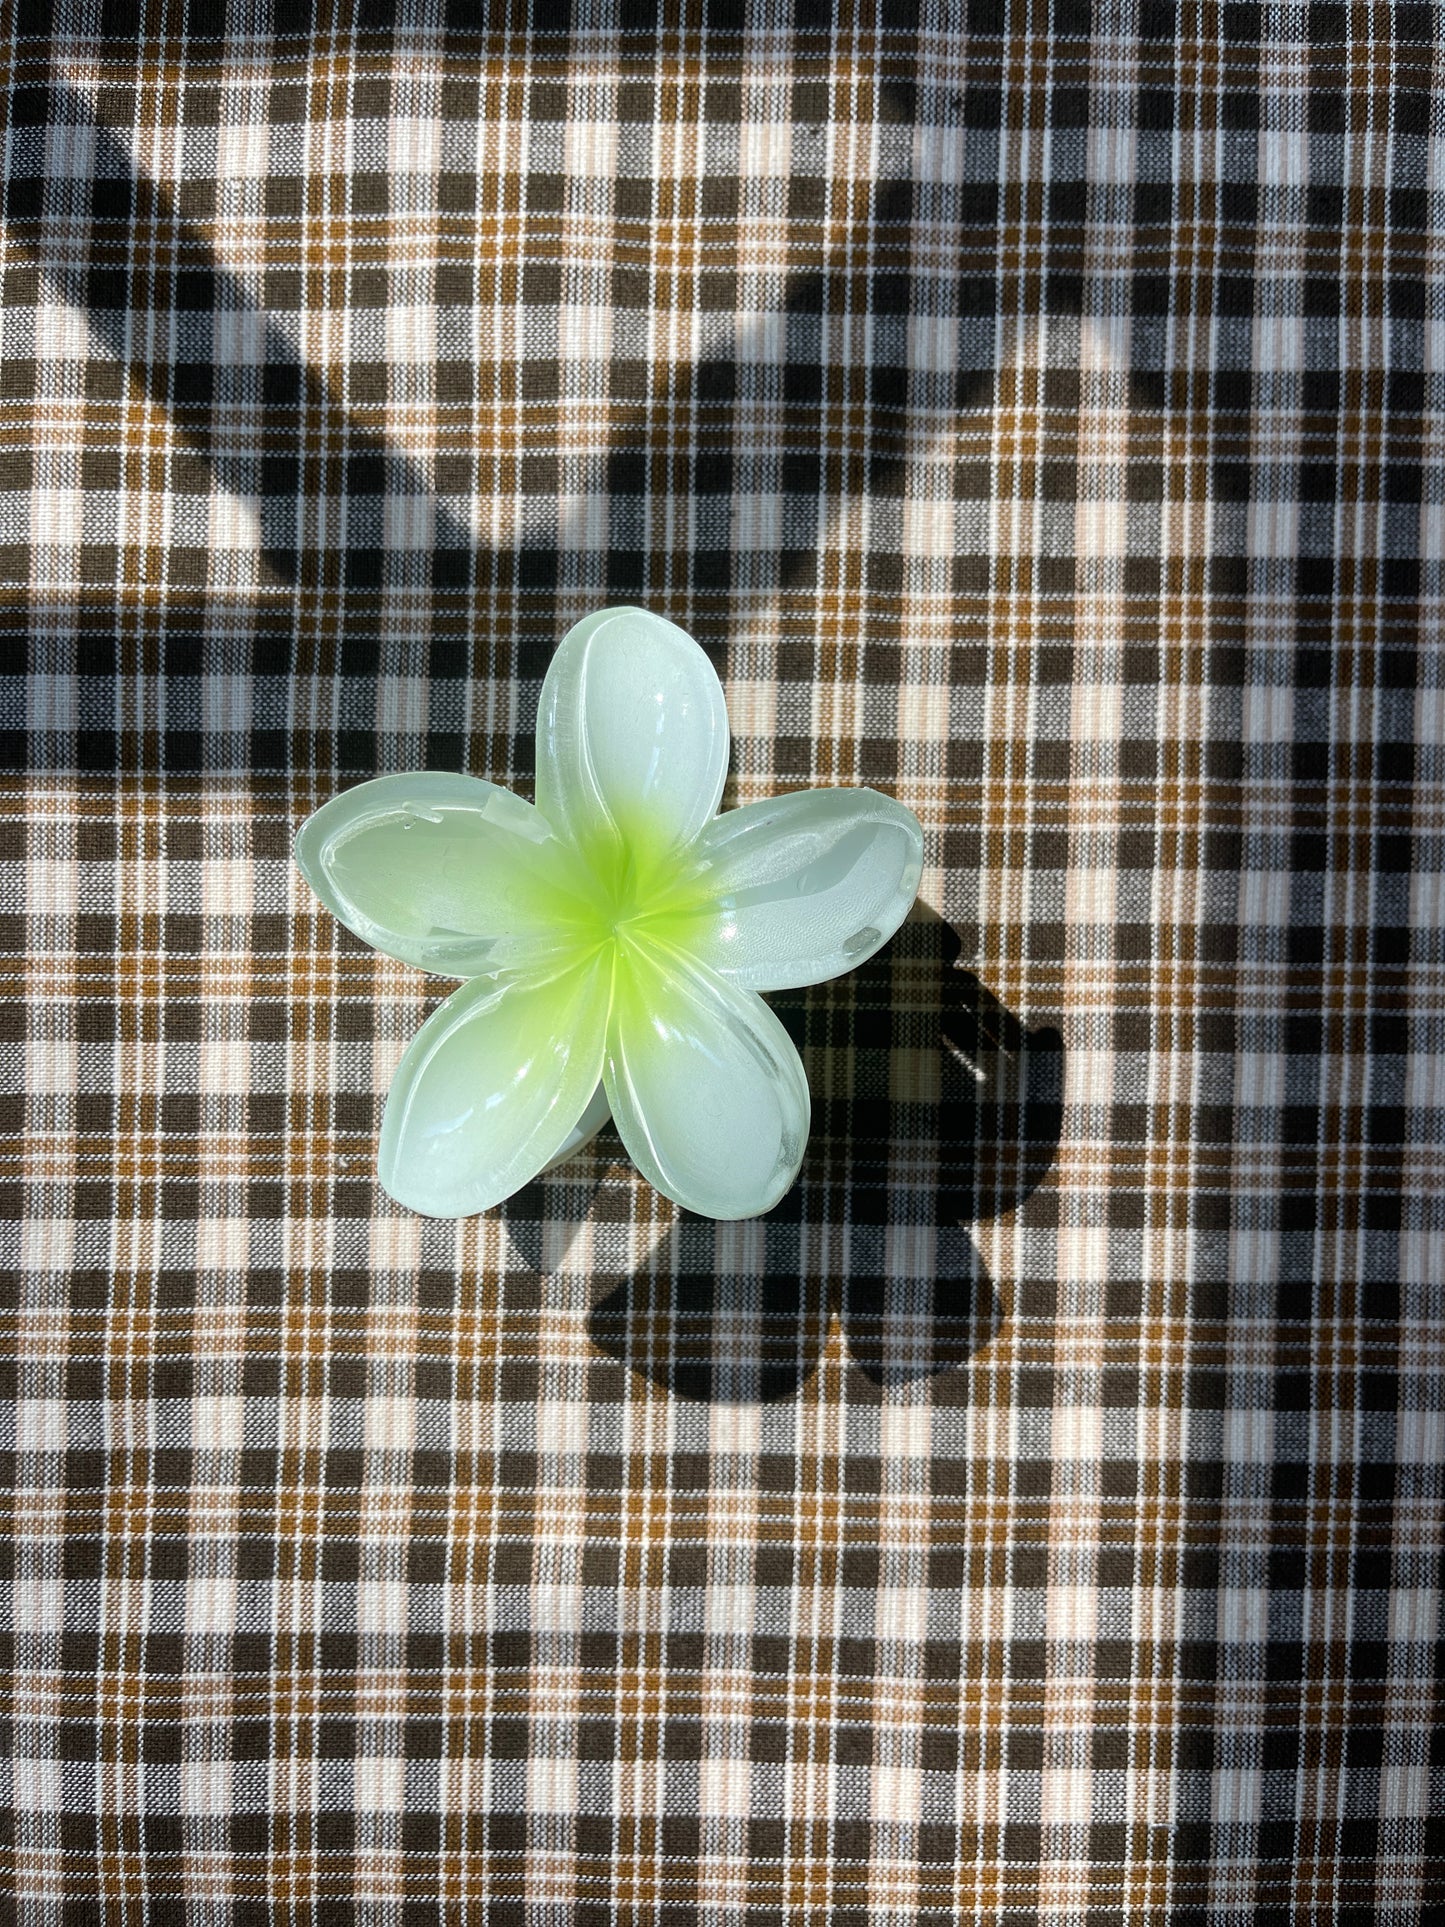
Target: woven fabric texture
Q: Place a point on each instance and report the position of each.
(1037, 411)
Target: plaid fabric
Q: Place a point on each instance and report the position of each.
(1037, 411)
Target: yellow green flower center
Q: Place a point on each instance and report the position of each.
(630, 897)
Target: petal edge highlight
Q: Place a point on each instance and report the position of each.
(707, 1090)
(448, 872)
(491, 1088)
(801, 888)
(632, 734)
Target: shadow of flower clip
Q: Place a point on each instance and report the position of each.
(934, 1107)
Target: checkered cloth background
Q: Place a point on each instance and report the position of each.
(1037, 409)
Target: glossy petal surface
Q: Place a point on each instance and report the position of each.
(801, 888)
(490, 1089)
(706, 1089)
(632, 735)
(444, 871)
(585, 1129)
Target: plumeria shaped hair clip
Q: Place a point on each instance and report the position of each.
(615, 937)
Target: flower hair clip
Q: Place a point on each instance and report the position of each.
(614, 938)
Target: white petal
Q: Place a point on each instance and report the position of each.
(803, 887)
(490, 1089)
(632, 734)
(706, 1089)
(444, 871)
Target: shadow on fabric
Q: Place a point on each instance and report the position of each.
(326, 485)
(934, 1107)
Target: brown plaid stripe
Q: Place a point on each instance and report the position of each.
(1036, 409)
